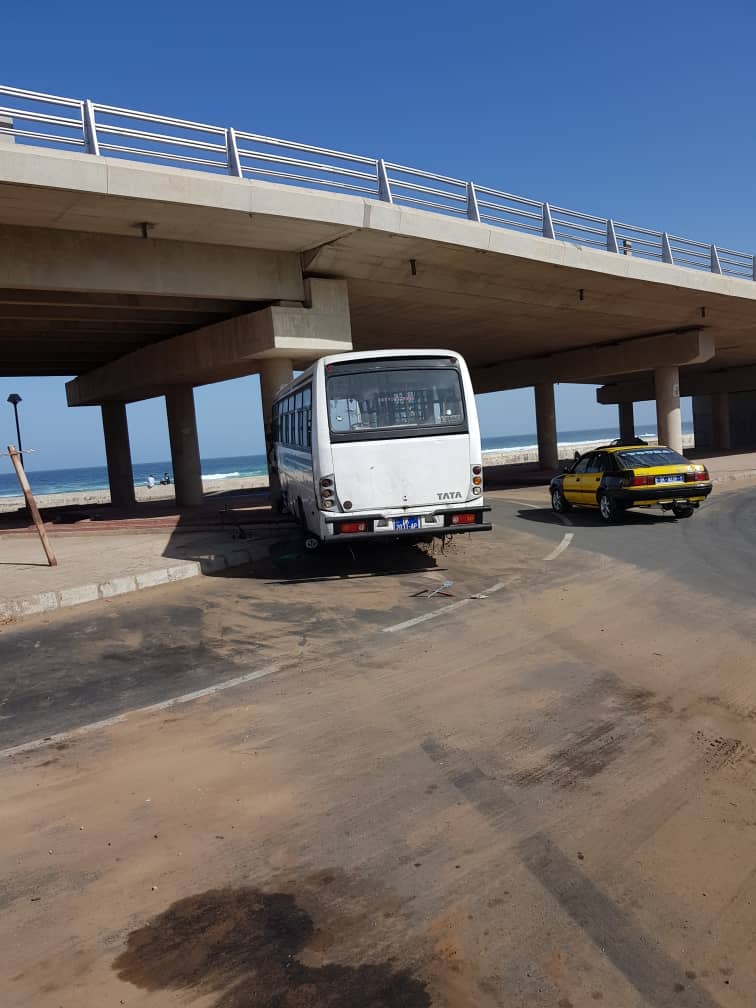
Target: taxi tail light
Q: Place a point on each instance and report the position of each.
(633, 479)
(353, 526)
(463, 519)
(699, 476)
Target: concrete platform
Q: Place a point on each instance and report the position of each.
(103, 552)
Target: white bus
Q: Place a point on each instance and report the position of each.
(380, 445)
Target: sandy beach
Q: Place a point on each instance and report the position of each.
(158, 493)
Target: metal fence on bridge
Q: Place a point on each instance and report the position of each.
(71, 123)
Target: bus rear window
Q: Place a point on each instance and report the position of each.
(400, 402)
(649, 458)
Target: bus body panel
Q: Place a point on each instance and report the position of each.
(426, 476)
(411, 473)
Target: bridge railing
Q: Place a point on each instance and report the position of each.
(32, 117)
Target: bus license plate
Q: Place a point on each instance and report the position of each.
(406, 523)
(669, 479)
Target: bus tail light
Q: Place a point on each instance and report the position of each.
(464, 518)
(352, 526)
(327, 493)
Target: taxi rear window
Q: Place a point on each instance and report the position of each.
(649, 458)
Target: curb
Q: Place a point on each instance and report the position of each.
(736, 475)
(44, 602)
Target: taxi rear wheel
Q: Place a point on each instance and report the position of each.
(559, 502)
(609, 510)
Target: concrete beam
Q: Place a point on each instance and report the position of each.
(37, 258)
(641, 354)
(691, 384)
(226, 349)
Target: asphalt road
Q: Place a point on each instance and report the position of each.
(96, 662)
(537, 790)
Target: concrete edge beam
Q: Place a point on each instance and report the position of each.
(49, 259)
(640, 354)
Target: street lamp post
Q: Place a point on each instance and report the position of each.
(14, 399)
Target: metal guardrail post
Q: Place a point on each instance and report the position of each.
(716, 265)
(548, 223)
(611, 237)
(753, 270)
(384, 187)
(90, 126)
(232, 154)
(667, 256)
(473, 212)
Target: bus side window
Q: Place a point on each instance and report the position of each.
(307, 404)
(299, 422)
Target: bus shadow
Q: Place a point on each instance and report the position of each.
(289, 561)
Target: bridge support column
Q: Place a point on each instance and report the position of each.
(668, 419)
(274, 373)
(548, 451)
(626, 422)
(720, 420)
(185, 456)
(118, 452)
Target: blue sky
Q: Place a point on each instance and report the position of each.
(641, 111)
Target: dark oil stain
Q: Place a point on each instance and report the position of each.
(565, 1003)
(597, 996)
(242, 945)
(690, 974)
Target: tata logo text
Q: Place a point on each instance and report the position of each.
(451, 495)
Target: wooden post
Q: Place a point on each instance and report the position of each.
(32, 504)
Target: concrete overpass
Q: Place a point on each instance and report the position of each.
(144, 279)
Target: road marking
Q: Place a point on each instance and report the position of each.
(566, 540)
(183, 698)
(446, 609)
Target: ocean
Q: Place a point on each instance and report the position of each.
(54, 481)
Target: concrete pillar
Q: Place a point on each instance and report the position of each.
(668, 419)
(185, 456)
(626, 422)
(548, 452)
(274, 373)
(720, 417)
(118, 452)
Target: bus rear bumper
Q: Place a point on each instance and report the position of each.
(373, 531)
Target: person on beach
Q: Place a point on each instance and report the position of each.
(166, 480)
(150, 482)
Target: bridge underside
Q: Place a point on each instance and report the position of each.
(107, 267)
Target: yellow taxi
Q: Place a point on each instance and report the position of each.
(616, 477)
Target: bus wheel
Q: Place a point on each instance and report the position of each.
(311, 543)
